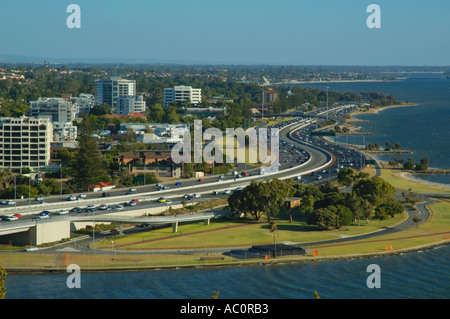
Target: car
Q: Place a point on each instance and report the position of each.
(226, 192)
(103, 207)
(162, 200)
(214, 193)
(201, 180)
(178, 183)
(39, 199)
(143, 225)
(33, 248)
(17, 215)
(76, 209)
(169, 201)
(10, 202)
(43, 216)
(11, 218)
(62, 212)
(71, 197)
(135, 200)
(45, 212)
(105, 194)
(90, 207)
(132, 204)
(186, 196)
(196, 196)
(132, 189)
(119, 207)
(82, 195)
(238, 189)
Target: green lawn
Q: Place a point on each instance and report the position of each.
(225, 233)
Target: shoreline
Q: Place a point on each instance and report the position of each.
(333, 81)
(250, 263)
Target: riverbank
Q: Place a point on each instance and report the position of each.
(245, 263)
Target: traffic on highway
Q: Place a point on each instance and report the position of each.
(302, 157)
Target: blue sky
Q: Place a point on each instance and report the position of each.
(288, 32)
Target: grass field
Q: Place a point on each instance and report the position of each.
(400, 181)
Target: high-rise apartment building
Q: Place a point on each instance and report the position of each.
(182, 93)
(109, 90)
(130, 104)
(25, 142)
(55, 108)
(82, 104)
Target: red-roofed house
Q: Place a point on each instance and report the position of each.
(102, 186)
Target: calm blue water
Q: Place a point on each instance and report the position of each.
(414, 275)
(422, 129)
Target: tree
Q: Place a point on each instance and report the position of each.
(87, 166)
(101, 109)
(375, 190)
(416, 220)
(366, 209)
(380, 213)
(409, 164)
(273, 229)
(324, 218)
(423, 165)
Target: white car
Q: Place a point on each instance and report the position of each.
(119, 207)
(43, 216)
(62, 212)
(103, 207)
(11, 218)
(71, 197)
(132, 189)
(32, 249)
(82, 196)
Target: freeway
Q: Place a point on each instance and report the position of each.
(298, 156)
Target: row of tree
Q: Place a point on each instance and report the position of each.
(325, 206)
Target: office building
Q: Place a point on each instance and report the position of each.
(25, 142)
(182, 93)
(55, 108)
(109, 90)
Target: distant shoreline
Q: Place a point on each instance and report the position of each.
(325, 82)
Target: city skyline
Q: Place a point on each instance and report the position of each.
(285, 32)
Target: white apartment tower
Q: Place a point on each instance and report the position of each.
(109, 90)
(25, 142)
(130, 104)
(182, 93)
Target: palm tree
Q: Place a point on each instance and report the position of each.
(273, 228)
